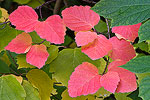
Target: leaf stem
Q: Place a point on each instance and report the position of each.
(89, 1)
(14, 63)
(57, 6)
(108, 28)
(108, 32)
(40, 42)
(106, 66)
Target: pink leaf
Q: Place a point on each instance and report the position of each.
(24, 18)
(127, 79)
(98, 48)
(109, 81)
(37, 55)
(121, 49)
(21, 44)
(80, 18)
(83, 38)
(129, 32)
(84, 80)
(52, 29)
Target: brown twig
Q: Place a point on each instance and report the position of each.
(66, 3)
(89, 1)
(57, 7)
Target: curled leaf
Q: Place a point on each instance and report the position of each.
(129, 32)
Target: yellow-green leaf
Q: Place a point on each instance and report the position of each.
(41, 80)
(31, 92)
(21, 61)
(11, 89)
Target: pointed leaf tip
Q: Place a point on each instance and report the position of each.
(129, 32)
(21, 44)
(84, 80)
(80, 18)
(37, 55)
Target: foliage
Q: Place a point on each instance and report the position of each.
(74, 50)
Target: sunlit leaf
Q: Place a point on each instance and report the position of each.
(121, 49)
(37, 55)
(11, 89)
(84, 80)
(80, 18)
(129, 32)
(66, 62)
(21, 44)
(41, 80)
(31, 92)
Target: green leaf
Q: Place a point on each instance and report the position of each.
(101, 27)
(53, 53)
(134, 95)
(6, 35)
(21, 61)
(66, 62)
(41, 80)
(138, 65)
(122, 96)
(102, 93)
(123, 12)
(144, 88)
(21, 1)
(144, 31)
(141, 76)
(68, 40)
(31, 92)
(11, 89)
(4, 67)
(35, 3)
(37, 39)
(143, 46)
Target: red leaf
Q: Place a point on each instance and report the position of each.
(83, 38)
(21, 44)
(37, 55)
(98, 48)
(24, 18)
(84, 80)
(129, 32)
(80, 18)
(109, 81)
(52, 29)
(121, 49)
(127, 79)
